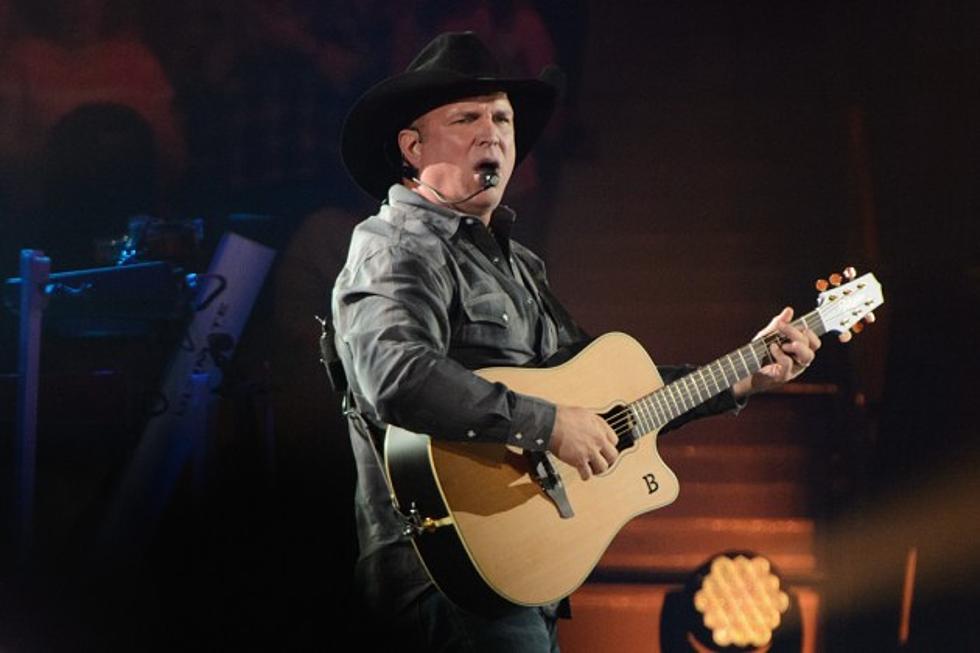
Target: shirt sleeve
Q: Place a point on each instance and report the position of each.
(391, 313)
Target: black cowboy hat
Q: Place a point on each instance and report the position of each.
(454, 65)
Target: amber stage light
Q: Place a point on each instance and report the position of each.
(735, 601)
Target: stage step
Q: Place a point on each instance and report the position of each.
(657, 546)
(626, 618)
(725, 463)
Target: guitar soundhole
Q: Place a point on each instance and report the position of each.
(621, 420)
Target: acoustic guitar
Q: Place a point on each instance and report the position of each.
(495, 525)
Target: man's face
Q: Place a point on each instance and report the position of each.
(451, 143)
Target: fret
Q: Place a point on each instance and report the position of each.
(767, 354)
(686, 393)
(758, 365)
(677, 392)
(694, 382)
(647, 415)
(717, 367)
(690, 393)
(728, 358)
(760, 357)
(662, 408)
(735, 373)
(673, 399)
(638, 423)
(744, 364)
(704, 382)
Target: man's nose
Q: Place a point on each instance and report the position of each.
(488, 131)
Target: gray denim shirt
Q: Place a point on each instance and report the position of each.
(427, 295)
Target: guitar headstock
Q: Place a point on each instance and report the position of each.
(847, 307)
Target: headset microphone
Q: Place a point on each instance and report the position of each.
(489, 178)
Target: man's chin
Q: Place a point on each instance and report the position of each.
(484, 203)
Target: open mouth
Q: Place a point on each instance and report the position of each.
(487, 165)
(488, 172)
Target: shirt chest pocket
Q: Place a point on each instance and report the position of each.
(493, 308)
(491, 325)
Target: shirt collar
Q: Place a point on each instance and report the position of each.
(444, 220)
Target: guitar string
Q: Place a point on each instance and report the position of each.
(625, 420)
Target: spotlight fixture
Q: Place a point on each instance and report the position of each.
(733, 602)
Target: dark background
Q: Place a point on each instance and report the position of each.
(710, 159)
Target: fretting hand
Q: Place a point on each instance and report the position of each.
(791, 357)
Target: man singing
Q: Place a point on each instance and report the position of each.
(433, 288)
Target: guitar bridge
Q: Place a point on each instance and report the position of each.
(550, 481)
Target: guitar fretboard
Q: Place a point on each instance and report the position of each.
(656, 409)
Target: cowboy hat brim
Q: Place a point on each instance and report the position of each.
(369, 139)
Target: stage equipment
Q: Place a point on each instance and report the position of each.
(34, 270)
(153, 239)
(178, 427)
(736, 601)
(111, 301)
(134, 300)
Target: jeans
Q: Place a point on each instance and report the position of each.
(433, 624)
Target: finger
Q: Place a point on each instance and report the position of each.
(609, 453)
(598, 463)
(783, 362)
(585, 471)
(792, 333)
(811, 338)
(799, 344)
(784, 316)
(800, 350)
(611, 436)
(814, 340)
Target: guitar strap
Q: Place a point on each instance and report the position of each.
(334, 367)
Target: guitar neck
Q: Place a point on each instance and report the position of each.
(656, 409)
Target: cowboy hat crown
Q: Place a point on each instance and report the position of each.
(452, 66)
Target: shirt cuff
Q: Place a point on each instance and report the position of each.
(730, 404)
(532, 424)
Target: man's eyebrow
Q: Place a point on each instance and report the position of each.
(472, 111)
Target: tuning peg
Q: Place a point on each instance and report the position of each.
(835, 279)
(822, 285)
(849, 273)
(858, 327)
(845, 336)
(869, 318)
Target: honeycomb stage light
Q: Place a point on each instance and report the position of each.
(735, 601)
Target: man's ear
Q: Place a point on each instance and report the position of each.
(410, 145)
